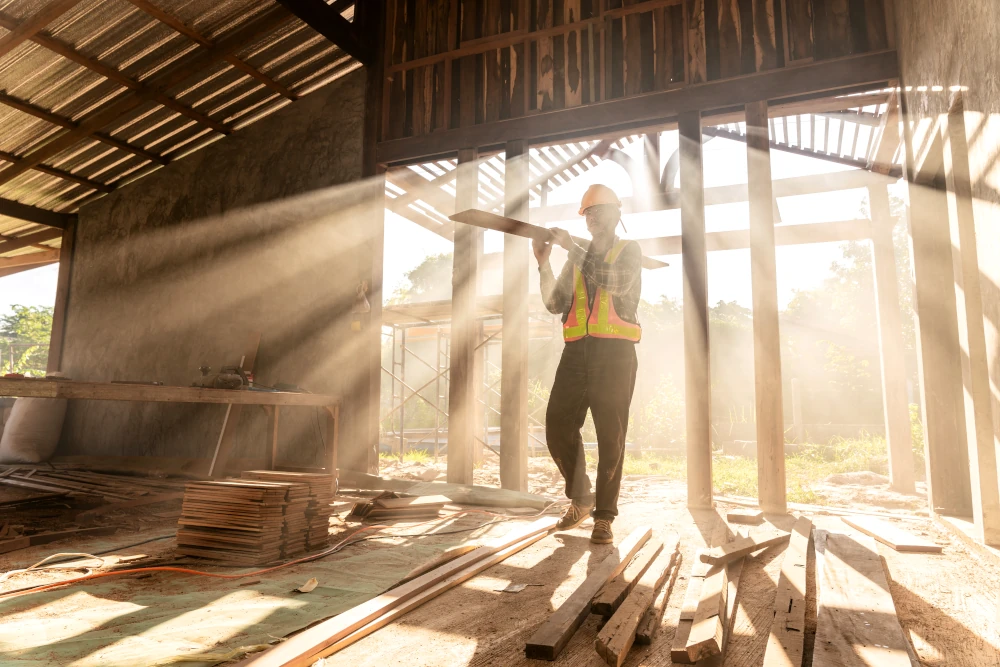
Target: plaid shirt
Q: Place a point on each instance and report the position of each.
(623, 280)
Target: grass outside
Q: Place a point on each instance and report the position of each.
(735, 475)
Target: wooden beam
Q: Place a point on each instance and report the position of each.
(785, 644)
(697, 374)
(41, 216)
(618, 634)
(649, 627)
(188, 31)
(741, 547)
(309, 645)
(35, 23)
(26, 267)
(30, 240)
(766, 336)
(462, 390)
(881, 161)
(62, 121)
(607, 601)
(708, 626)
(653, 108)
(856, 624)
(166, 79)
(939, 356)
(328, 22)
(551, 638)
(45, 257)
(514, 351)
(60, 173)
(895, 402)
(980, 422)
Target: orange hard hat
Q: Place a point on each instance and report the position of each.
(598, 194)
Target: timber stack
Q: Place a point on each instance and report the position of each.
(318, 510)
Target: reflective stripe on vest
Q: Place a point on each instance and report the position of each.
(602, 321)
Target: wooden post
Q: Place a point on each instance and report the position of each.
(58, 335)
(462, 390)
(514, 350)
(798, 426)
(890, 331)
(766, 338)
(979, 416)
(697, 369)
(370, 18)
(938, 355)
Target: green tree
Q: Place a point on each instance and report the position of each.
(429, 281)
(24, 339)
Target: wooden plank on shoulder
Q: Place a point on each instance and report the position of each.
(856, 624)
(304, 648)
(890, 535)
(551, 638)
(618, 635)
(616, 590)
(785, 643)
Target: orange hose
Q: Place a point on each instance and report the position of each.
(184, 570)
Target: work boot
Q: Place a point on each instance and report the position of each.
(602, 532)
(573, 516)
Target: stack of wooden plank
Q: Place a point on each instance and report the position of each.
(388, 505)
(295, 528)
(236, 521)
(318, 509)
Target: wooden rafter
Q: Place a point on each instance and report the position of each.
(328, 22)
(188, 31)
(171, 76)
(23, 31)
(4, 237)
(40, 216)
(63, 174)
(66, 51)
(25, 267)
(29, 240)
(62, 121)
(47, 256)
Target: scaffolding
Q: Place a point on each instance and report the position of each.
(429, 324)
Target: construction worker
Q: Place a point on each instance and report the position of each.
(597, 294)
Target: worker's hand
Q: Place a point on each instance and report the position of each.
(562, 238)
(542, 250)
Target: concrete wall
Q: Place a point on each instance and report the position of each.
(266, 230)
(945, 46)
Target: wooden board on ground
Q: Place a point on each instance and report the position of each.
(54, 536)
(699, 568)
(785, 643)
(743, 546)
(890, 535)
(618, 635)
(305, 648)
(707, 628)
(745, 517)
(651, 621)
(86, 517)
(856, 623)
(551, 638)
(616, 590)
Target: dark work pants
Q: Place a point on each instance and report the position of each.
(599, 374)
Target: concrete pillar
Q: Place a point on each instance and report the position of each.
(697, 369)
(766, 337)
(514, 349)
(463, 391)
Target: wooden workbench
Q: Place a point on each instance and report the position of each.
(270, 401)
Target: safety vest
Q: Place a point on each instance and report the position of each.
(601, 321)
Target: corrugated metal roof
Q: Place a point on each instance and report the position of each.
(54, 93)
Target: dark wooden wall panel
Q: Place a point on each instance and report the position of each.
(457, 63)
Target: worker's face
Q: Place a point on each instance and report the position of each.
(602, 219)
